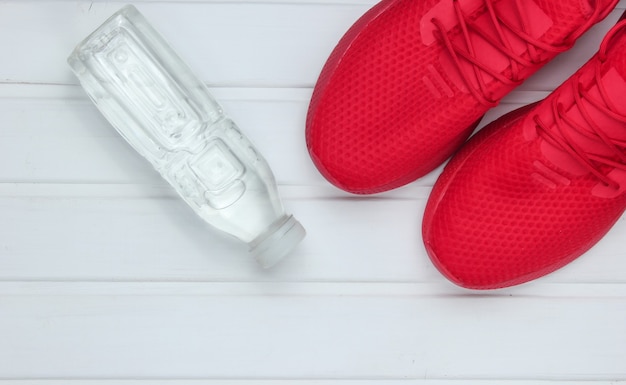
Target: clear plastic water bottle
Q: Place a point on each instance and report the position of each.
(168, 115)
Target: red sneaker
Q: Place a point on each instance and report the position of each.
(538, 187)
(410, 80)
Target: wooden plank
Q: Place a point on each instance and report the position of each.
(58, 135)
(55, 134)
(309, 331)
(102, 236)
(187, 381)
(233, 46)
(144, 232)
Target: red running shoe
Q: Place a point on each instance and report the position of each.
(538, 187)
(409, 82)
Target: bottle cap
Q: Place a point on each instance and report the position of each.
(275, 244)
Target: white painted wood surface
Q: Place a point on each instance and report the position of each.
(107, 278)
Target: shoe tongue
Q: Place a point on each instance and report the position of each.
(612, 84)
(545, 22)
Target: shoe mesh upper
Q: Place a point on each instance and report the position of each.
(491, 221)
(373, 123)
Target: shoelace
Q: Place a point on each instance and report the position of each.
(502, 44)
(559, 134)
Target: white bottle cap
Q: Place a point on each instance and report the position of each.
(275, 244)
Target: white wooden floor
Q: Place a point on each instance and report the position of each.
(106, 277)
